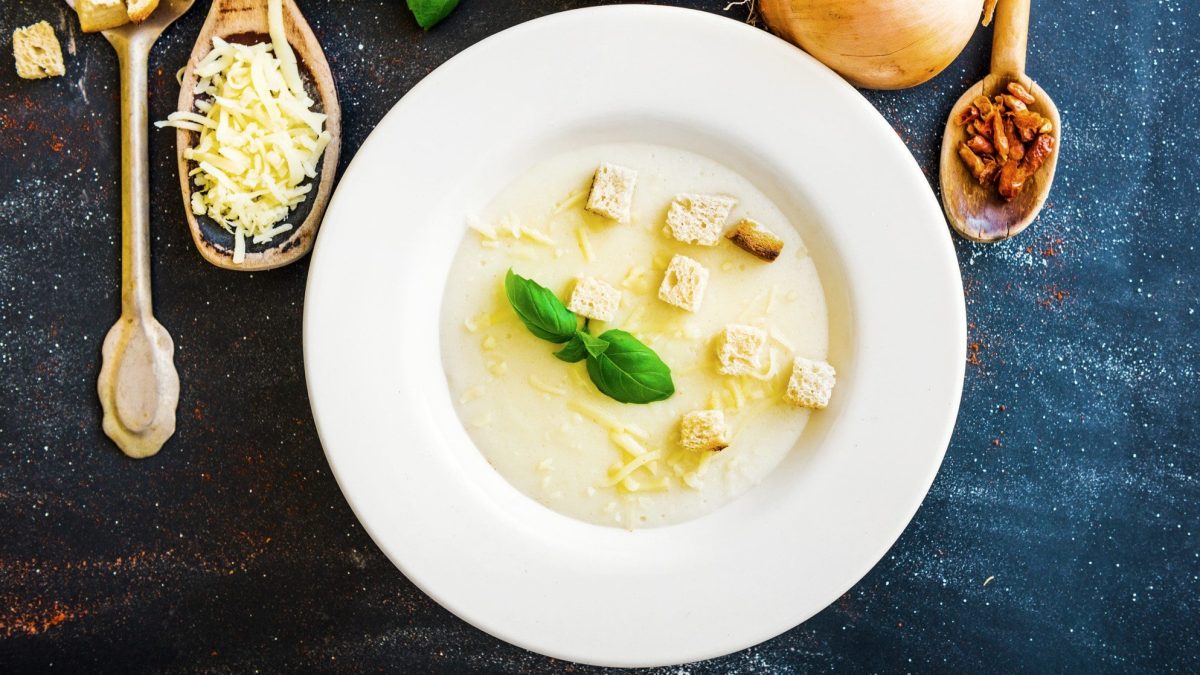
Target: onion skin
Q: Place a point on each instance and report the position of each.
(877, 44)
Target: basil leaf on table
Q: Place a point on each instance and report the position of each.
(539, 309)
(430, 12)
(629, 371)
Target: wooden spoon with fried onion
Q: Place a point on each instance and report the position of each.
(975, 211)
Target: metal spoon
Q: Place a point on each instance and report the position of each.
(138, 385)
(973, 210)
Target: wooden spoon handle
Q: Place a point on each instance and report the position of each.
(133, 57)
(1009, 38)
(138, 385)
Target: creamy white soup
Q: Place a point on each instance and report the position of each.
(543, 424)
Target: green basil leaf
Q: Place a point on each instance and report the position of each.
(580, 346)
(539, 309)
(629, 371)
(429, 12)
(574, 350)
(593, 345)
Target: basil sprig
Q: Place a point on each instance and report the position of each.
(628, 370)
(620, 366)
(539, 309)
(429, 12)
(581, 346)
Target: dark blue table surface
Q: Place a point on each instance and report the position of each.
(1062, 533)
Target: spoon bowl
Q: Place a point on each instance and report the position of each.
(977, 212)
(245, 21)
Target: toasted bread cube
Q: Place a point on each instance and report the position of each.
(704, 430)
(37, 52)
(758, 241)
(811, 383)
(98, 15)
(683, 283)
(699, 219)
(595, 299)
(140, 10)
(612, 192)
(741, 349)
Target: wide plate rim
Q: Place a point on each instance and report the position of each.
(318, 336)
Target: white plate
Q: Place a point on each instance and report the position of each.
(501, 561)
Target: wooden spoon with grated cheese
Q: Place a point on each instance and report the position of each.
(247, 22)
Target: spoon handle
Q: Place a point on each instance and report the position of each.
(1009, 38)
(138, 385)
(133, 56)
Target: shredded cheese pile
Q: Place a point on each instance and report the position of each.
(259, 139)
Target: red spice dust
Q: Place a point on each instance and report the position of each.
(35, 618)
(974, 346)
(1056, 296)
(1051, 250)
(973, 349)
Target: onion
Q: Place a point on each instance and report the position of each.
(877, 44)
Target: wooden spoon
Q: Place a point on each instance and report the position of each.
(138, 384)
(246, 21)
(975, 211)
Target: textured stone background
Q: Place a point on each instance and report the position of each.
(1061, 535)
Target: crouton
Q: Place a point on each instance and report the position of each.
(37, 52)
(699, 219)
(741, 349)
(140, 10)
(98, 15)
(612, 192)
(704, 430)
(811, 383)
(758, 241)
(594, 299)
(683, 283)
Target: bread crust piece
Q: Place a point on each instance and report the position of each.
(140, 10)
(758, 241)
(37, 52)
(704, 430)
(595, 299)
(611, 194)
(683, 283)
(699, 219)
(98, 15)
(811, 383)
(741, 349)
